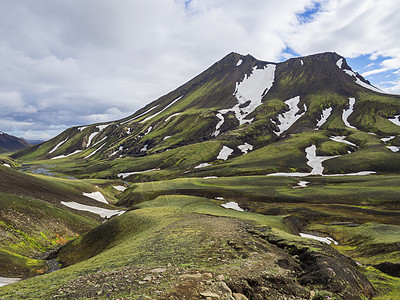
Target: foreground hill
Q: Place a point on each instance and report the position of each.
(254, 180)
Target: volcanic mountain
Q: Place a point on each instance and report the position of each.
(242, 105)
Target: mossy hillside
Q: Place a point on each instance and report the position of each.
(15, 265)
(376, 192)
(157, 233)
(387, 287)
(172, 163)
(372, 243)
(236, 188)
(30, 227)
(375, 158)
(186, 128)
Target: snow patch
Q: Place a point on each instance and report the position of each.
(203, 165)
(120, 188)
(225, 153)
(388, 139)
(124, 175)
(210, 177)
(167, 137)
(144, 149)
(96, 196)
(302, 62)
(362, 173)
(287, 119)
(326, 240)
(324, 117)
(104, 213)
(347, 112)
(339, 63)
(165, 108)
(82, 128)
(341, 139)
(219, 124)
(8, 280)
(64, 156)
(395, 120)
(393, 148)
(95, 151)
(115, 152)
(293, 174)
(91, 137)
(104, 138)
(7, 165)
(239, 63)
(142, 114)
(232, 205)
(245, 148)
(148, 130)
(57, 146)
(301, 184)
(314, 161)
(362, 83)
(253, 88)
(101, 127)
(171, 116)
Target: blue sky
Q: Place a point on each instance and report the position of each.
(68, 63)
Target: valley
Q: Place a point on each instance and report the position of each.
(254, 180)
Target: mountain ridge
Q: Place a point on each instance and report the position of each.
(9, 143)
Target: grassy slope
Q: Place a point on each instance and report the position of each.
(32, 220)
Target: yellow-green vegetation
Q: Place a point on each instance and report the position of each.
(371, 243)
(387, 287)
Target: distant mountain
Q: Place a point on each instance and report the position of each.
(34, 142)
(9, 143)
(240, 105)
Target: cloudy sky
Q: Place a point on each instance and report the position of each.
(65, 63)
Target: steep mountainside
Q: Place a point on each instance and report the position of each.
(9, 143)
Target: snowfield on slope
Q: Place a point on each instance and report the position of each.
(324, 116)
(341, 139)
(57, 146)
(395, 120)
(251, 89)
(232, 205)
(124, 175)
(164, 109)
(326, 240)
(287, 119)
(245, 148)
(102, 212)
(314, 161)
(96, 196)
(347, 112)
(225, 153)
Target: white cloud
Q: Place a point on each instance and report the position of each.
(73, 62)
